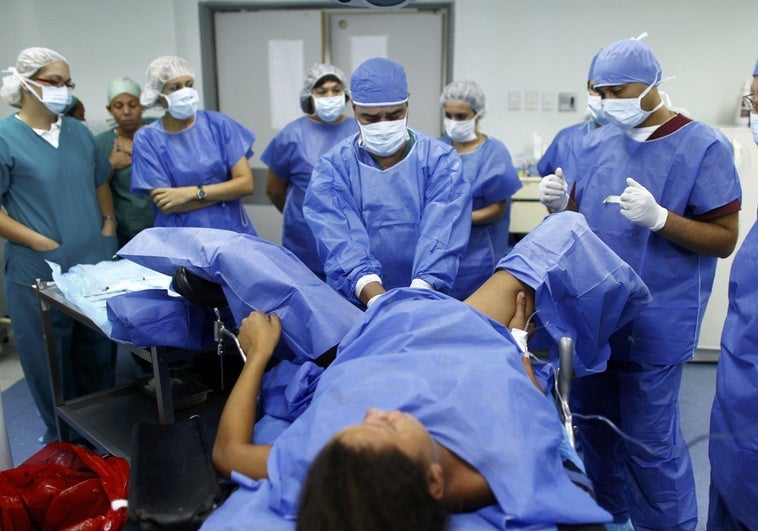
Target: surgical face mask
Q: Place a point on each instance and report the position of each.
(754, 126)
(54, 98)
(626, 113)
(595, 109)
(330, 108)
(463, 131)
(384, 138)
(183, 103)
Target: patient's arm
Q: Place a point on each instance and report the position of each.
(233, 450)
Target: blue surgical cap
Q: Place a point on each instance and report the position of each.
(755, 70)
(591, 73)
(379, 82)
(626, 61)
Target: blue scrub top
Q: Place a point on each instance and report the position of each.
(733, 448)
(52, 191)
(133, 212)
(564, 151)
(493, 178)
(409, 221)
(291, 155)
(690, 172)
(202, 154)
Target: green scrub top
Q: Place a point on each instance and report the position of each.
(52, 191)
(133, 212)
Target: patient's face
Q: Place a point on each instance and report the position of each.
(385, 429)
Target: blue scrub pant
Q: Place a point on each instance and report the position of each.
(654, 486)
(720, 517)
(86, 358)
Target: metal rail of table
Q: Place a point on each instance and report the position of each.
(106, 418)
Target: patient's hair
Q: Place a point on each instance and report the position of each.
(367, 489)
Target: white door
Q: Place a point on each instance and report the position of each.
(262, 55)
(413, 39)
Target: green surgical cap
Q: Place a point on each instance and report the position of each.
(123, 85)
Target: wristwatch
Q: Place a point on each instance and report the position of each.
(200, 193)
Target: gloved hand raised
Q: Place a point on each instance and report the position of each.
(639, 206)
(554, 191)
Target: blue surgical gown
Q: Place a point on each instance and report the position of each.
(255, 275)
(465, 384)
(291, 155)
(52, 191)
(202, 154)
(493, 179)
(564, 151)
(409, 221)
(689, 171)
(733, 448)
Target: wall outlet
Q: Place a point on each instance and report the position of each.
(548, 101)
(532, 100)
(514, 100)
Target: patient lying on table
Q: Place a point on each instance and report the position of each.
(427, 409)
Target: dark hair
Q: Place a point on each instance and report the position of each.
(366, 489)
(324, 79)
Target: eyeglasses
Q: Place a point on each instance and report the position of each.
(56, 82)
(749, 104)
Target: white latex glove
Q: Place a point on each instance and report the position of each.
(554, 191)
(372, 300)
(639, 206)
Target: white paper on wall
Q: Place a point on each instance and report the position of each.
(366, 47)
(285, 74)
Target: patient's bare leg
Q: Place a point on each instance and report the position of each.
(496, 298)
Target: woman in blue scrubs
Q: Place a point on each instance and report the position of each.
(194, 164)
(733, 450)
(293, 152)
(54, 187)
(488, 167)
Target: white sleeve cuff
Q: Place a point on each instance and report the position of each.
(365, 279)
(418, 283)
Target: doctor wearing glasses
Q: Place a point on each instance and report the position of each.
(58, 207)
(193, 163)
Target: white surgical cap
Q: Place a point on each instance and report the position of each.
(466, 91)
(316, 73)
(28, 63)
(159, 72)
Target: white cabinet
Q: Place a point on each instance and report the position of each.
(746, 160)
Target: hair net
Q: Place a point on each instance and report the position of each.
(626, 61)
(466, 91)
(316, 73)
(159, 72)
(755, 70)
(123, 85)
(28, 63)
(379, 82)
